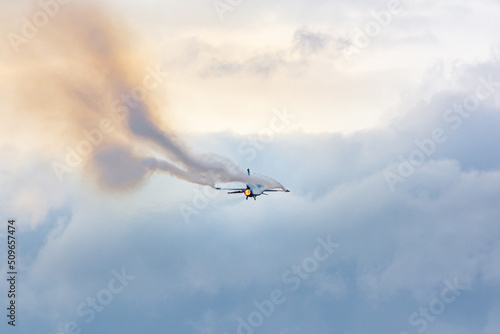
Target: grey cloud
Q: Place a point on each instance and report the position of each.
(396, 248)
(304, 44)
(308, 42)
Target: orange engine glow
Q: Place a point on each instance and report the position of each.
(248, 192)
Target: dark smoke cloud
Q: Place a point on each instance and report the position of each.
(85, 67)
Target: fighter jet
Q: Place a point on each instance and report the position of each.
(252, 190)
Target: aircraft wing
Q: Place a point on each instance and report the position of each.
(285, 191)
(233, 190)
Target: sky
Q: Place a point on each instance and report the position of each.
(118, 119)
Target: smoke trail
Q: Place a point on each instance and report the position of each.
(85, 67)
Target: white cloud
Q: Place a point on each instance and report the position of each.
(396, 248)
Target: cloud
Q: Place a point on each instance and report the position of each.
(440, 224)
(304, 44)
(396, 247)
(308, 42)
